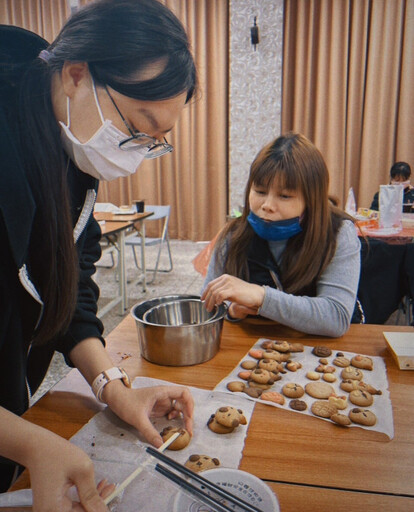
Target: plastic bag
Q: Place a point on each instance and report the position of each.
(350, 206)
(390, 206)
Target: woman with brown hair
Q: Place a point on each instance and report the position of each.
(292, 256)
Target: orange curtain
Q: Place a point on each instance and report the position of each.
(193, 178)
(45, 17)
(347, 85)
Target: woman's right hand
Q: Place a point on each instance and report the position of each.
(55, 465)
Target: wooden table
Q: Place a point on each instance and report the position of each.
(310, 464)
(114, 227)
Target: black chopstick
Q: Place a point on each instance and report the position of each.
(196, 491)
(247, 507)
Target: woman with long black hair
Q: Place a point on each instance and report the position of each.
(88, 107)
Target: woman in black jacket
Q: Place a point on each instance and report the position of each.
(89, 106)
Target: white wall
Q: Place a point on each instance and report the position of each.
(255, 86)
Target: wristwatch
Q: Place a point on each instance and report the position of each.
(106, 376)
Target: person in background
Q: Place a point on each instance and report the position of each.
(293, 256)
(88, 107)
(400, 174)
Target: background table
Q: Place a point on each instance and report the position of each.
(311, 464)
(113, 225)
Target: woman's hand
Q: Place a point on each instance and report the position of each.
(239, 312)
(55, 465)
(137, 406)
(236, 290)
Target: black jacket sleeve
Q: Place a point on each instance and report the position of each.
(85, 323)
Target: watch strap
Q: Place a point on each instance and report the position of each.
(106, 376)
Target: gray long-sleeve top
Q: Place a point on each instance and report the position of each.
(329, 312)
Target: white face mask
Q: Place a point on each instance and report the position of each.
(100, 156)
(405, 184)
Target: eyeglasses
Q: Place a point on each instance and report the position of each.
(139, 140)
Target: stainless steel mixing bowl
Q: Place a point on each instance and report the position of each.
(173, 330)
(179, 312)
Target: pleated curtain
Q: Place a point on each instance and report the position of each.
(193, 178)
(348, 77)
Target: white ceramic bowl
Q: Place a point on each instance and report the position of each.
(240, 483)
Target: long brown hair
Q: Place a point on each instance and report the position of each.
(290, 162)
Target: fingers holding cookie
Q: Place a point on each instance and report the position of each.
(181, 442)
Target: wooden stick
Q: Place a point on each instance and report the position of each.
(137, 471)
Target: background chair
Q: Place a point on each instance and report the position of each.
(134, 241)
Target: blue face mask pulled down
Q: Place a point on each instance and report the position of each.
(274, 230)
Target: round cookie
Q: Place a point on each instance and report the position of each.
(217, 428)
(271, 365)
(230, 417)
(272, 354)
(266, 344)
(329, 377)
(199, 463)
(181, 442)
(292, 390)
(362, 417)
(322, 351)
(256, 353)
(323, 409)
(298, 405)
(313, 376)
(245, 374)
(263, 387)
(253, 392)
(248, 364)
(341, 361)
(236, 386)
(349, 384)
(351, 373)
(362, 362)
(341, 419)
(273, 396)
(261, 376)
(361, 398)
(321, 390)
(296, 347)
(281, 346)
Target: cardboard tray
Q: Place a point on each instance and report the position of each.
(401, 345)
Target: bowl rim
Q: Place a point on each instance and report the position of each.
(216, 317)
(187, 301)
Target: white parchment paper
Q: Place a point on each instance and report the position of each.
(381, 407)
(117, 449)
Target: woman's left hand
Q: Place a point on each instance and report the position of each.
(237, 311)
(236, 290)
(137, 406)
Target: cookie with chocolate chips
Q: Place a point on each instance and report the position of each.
(199, 463)
(362, 417)
(181, 442)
